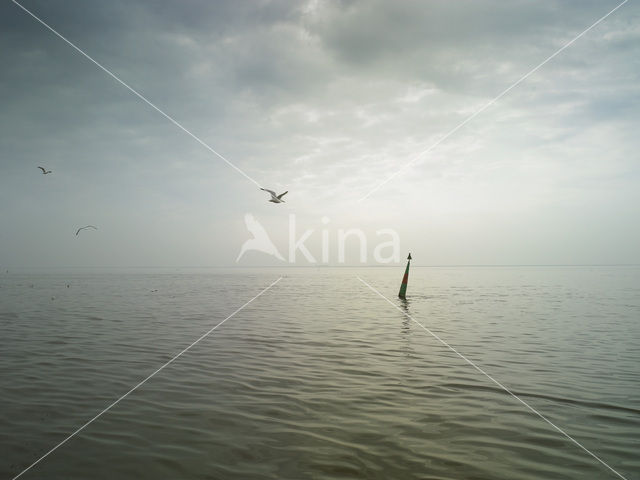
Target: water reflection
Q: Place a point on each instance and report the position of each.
(404, 304)
(406, 326)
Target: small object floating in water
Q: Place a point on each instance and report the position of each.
(83, 228)
(44, 172)
(275, 198)
(403, 286)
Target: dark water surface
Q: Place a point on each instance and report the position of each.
(320, 377)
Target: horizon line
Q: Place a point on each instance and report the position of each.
(323, 265)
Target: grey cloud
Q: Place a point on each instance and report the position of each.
(325, 101)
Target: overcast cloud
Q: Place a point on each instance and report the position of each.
(324, 99)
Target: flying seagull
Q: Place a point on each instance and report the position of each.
(275, 198)
(82, 228)
(44, 172)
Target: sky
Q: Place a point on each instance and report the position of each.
(325, 99)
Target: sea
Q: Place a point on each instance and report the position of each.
(523, 372)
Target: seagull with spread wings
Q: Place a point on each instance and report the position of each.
(44, 172)
(275, 198)
(83, 228)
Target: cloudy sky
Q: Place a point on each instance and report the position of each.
(325, 99)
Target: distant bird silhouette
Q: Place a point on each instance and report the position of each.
(275, 198)
(44, 172)
(82, 228)
(260, 241)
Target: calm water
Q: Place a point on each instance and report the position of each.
(320, 377)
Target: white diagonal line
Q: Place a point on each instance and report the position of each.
(470, 362)
(137, 94)
(488, 104)
(141, 383)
